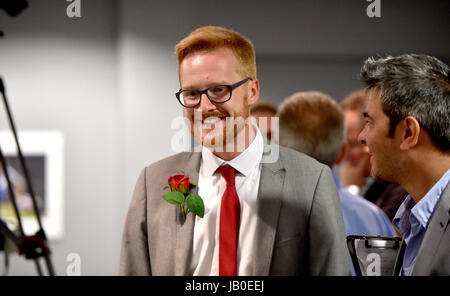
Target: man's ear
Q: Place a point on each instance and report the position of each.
(409, 132)
(254, 92)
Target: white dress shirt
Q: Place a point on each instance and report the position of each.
(211, 186)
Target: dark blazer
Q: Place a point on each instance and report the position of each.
(434, 253)
(300, 229)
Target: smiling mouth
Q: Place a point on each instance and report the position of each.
(212, 120)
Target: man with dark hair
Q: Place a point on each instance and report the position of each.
(354, 171)
(407, 132)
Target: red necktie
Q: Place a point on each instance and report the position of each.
(230, 214)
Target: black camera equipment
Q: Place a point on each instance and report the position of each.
(34, 246)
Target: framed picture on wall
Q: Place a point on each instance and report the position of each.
(44, 158)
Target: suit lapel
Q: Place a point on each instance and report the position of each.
(268, 210)
(185, 228)
(436, 228)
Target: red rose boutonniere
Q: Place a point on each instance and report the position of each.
(179, 195)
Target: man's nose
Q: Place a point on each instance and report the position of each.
(362, 137)
(366, 149)
(205, 104)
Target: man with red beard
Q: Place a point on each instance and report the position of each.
(262, 215)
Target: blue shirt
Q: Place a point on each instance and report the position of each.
(361, 217)
(412, 221)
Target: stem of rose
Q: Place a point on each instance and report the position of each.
(183, 213)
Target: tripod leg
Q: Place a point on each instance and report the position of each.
(38, 267)
(51, 271)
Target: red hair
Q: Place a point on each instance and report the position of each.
(210, 38)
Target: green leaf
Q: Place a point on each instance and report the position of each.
(172, 187)
(175, 198)
(195, 205)
(165, 187)
(181, 188)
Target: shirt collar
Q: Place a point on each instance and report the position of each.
(424, 209)
(401, 219)
(243, 163)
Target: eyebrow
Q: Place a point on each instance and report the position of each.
(210, 85)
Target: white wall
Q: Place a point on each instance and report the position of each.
(107, 81)
(61, 74)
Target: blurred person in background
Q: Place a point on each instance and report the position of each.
(355, 167)
(313, 123)
(263, 113)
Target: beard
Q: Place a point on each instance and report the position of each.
(219, 130)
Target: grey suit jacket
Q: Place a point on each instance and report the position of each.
(433, 257)
(300, 229)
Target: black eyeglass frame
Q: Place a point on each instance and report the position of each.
(205, 91)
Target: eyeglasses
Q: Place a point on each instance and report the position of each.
(191, 98)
